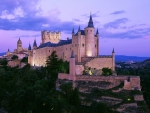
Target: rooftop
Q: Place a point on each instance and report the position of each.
(60, 43)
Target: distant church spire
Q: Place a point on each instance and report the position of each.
(73, 30)
(90, 23)
(34, 44)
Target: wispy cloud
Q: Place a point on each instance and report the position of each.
(118, 12)
(116, 23)
(131, 34)
(76, 20)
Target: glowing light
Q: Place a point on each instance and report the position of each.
(89, 53)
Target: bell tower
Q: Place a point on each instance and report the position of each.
(19, 45)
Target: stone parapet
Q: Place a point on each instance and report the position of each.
(63, 76)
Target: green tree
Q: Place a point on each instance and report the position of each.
(52, 62)
(14, 57)
(24, 59)
(106, 71)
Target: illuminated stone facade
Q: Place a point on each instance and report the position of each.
(84, 45)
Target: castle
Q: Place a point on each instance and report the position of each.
(84, 45)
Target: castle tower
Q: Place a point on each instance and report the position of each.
(19, 45)
(72, 75)
(113, 60)
(49, 36)
(97, 35)
(29, 55)
(34, 45)
(90, 42)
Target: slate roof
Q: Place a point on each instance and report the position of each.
(82, 32)
(90, 23)
(29, 48)
(34, 44)
(60, 43)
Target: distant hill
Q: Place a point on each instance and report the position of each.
(1, 54)
(123, 58)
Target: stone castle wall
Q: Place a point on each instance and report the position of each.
(100, 62)
(133, 81)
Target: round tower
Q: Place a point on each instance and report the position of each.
(19, 45)
(90, 42)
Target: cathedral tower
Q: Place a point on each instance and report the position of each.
(19, 45)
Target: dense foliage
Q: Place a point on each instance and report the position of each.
(106, 71)
(14, 57)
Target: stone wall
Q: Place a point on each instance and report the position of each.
(100, 63)
(133, 83)
(63, 76)
(138, 98)
(14, 63)
(79, 69)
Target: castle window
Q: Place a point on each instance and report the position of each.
(82, 45)
(91, 30)
(95, 45)
(70, 48)
(66, 48)
(75, 45)
(49, 50)
(87, 30)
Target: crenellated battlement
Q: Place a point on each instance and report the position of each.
(50, 36)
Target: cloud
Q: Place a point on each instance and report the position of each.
(10, 6)
(116, 24)
(118, 12)
(24, 15)
(131, 34)
(76, 20)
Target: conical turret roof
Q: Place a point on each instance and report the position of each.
(90, 23)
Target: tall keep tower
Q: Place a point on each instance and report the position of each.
(91, 45)
(19, 45)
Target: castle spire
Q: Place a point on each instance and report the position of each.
(79, 29)
(8, 50)
(90, 23)
(29, 48)
(34, 44)
(97, 32)
(113, 51)
(73, 30)
(72, 55)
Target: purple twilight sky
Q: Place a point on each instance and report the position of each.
(122, 24)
